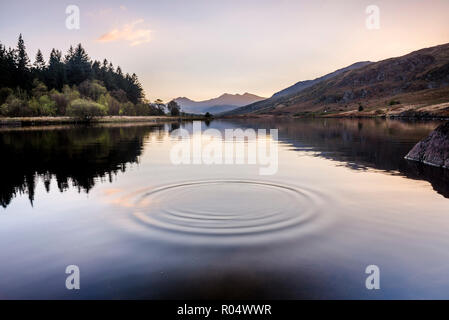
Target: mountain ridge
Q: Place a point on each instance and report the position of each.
(224, 102)
(296, 88)
(418, 78)
(301, 85)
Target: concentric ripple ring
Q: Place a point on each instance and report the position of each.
(226, 207)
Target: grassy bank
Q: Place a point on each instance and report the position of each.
(438, 111)
(30, 121)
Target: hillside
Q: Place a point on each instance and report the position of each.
(302, 85)
(278, 97)
(225, 102)
(396, 85)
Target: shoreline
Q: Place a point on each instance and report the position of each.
(335, 116)
(45, 121)
(48, 121)
(434, 111)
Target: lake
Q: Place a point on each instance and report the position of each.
(110, 200)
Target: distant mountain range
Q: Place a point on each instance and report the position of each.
(420, 78)
(225, 102)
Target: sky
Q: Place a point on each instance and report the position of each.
(201, 49)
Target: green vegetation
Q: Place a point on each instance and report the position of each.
(86, 110)
(72, 85)
(173, 108)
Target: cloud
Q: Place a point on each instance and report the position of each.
(129, 33)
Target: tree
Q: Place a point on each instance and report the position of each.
(154, 110)
(86, 110)
(119, 95)
(78, 65)
(4, 94)
(39, 63)
(39, 66)
(159, 103)
(133, 88)
(55, 75)
(8, 70)
(173, 108)
(39, 88)
(96, 71)
(23, 65)
(92, 89)
(62, 80)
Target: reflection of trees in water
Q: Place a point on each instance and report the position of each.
(362, 144)
(75, 156)
(78, 156)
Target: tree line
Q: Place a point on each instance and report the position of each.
(71, 85)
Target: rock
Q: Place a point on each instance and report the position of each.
(433, 150)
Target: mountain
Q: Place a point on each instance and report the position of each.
(294, 89)
(225, 102)
(302, 85)
(418, 79)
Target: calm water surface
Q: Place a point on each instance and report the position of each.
(109, 200)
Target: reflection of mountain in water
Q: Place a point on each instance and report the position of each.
(361, 144)
(76, 155)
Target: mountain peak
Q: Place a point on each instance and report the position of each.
(226, 101)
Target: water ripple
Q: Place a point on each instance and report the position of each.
(227, 207)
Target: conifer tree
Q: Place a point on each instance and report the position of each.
(39, 63)
(23, 65)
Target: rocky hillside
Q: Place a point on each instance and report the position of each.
(280, 96)
(302, 85)
(413, 81)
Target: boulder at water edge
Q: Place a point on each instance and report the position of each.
(433, 150)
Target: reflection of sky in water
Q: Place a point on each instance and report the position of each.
(308, 231)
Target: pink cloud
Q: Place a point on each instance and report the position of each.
(129, 33)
